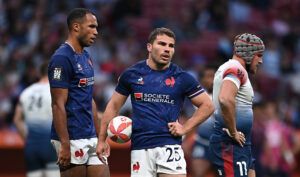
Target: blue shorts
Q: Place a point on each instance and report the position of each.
(40, 155)
(231, 159)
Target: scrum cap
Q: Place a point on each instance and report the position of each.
(247, 45)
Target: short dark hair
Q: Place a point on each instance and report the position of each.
(160, 31)
(76, 15)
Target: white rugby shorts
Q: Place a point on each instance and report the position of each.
(83, 151)
(168, 159)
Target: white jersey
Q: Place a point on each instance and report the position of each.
(36, 103)
(232, 70)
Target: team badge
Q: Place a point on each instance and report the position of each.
(170, 82)
(136, 167)
(57, 73)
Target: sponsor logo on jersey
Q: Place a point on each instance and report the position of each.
(153, 97)
(170, 82)
(138, 96)
(57, 73)
(83, 82)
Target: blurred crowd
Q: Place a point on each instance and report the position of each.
(31, 30)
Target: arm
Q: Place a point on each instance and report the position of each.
(205, 109)
(226, 99)
(97, 119)
(112, 109)
(59, 99)
(19, 121)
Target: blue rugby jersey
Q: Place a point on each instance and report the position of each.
(74, 72)
(157, 98)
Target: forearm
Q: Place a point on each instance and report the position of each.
(20, 125)
(96, 118)
(19, 122)
(199, 116)
(109, 113)
(228, 113)
(60, 123)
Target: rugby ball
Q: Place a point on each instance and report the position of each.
(119, 129)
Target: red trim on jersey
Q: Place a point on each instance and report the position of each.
(251, 43)
(227, 156)
(239, 73)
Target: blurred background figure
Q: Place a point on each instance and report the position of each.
(33, 118)
(201, 164)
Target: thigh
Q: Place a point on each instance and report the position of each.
(48, 157)
(73, 171)
(200, 159)
(170, 160)
(32, 159)
(98, 171)
(142, 163)
(230, 159)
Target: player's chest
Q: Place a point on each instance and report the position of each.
(83, 71)
(82, 65)
(246, 91)
(156, 83)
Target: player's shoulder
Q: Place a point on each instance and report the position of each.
(233, 67)
(64, 50)
(28, 91)
(178, 71)
(137, 67)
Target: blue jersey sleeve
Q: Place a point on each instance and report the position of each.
(123, 86)
(60, 72)
(191, 86)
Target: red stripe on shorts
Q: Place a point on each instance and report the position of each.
(227, 155)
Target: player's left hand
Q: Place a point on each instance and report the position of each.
(176, 128)
(239, 137)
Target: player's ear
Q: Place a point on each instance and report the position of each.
(149, 47)
(76, 27)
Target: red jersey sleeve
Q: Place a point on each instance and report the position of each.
(237, 72)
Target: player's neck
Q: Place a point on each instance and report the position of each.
(240, 60)
(156, 66)
(74, 44)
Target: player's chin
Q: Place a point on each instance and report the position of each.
(165, 60)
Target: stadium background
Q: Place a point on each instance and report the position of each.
(31, 30)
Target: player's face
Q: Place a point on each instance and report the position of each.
(162, 50)
(257, 60)
(88, 31)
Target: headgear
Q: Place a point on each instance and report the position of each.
(247, 45)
